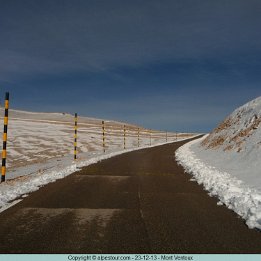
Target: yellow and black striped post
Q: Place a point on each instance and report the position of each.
(75, 135)
(124, 137)
(5, 137)
(138, 137)
(103, 136)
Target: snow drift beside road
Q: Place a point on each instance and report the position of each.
(227, 162)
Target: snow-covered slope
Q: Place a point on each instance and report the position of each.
(37, 137)
(228, 161)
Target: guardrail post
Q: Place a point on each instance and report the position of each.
(5, 137)
(103, 136)
(75, 135)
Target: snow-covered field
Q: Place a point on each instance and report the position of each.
(40, 148)
(228, 162)
(38, 137)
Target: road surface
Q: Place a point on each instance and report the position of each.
(138, 202)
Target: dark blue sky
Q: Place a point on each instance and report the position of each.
(170, 64)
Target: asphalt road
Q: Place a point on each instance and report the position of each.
(138, 202)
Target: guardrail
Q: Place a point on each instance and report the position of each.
(88, 136)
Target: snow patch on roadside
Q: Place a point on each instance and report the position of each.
(231, 191)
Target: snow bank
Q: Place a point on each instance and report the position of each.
(232, 192)
(227, 162)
